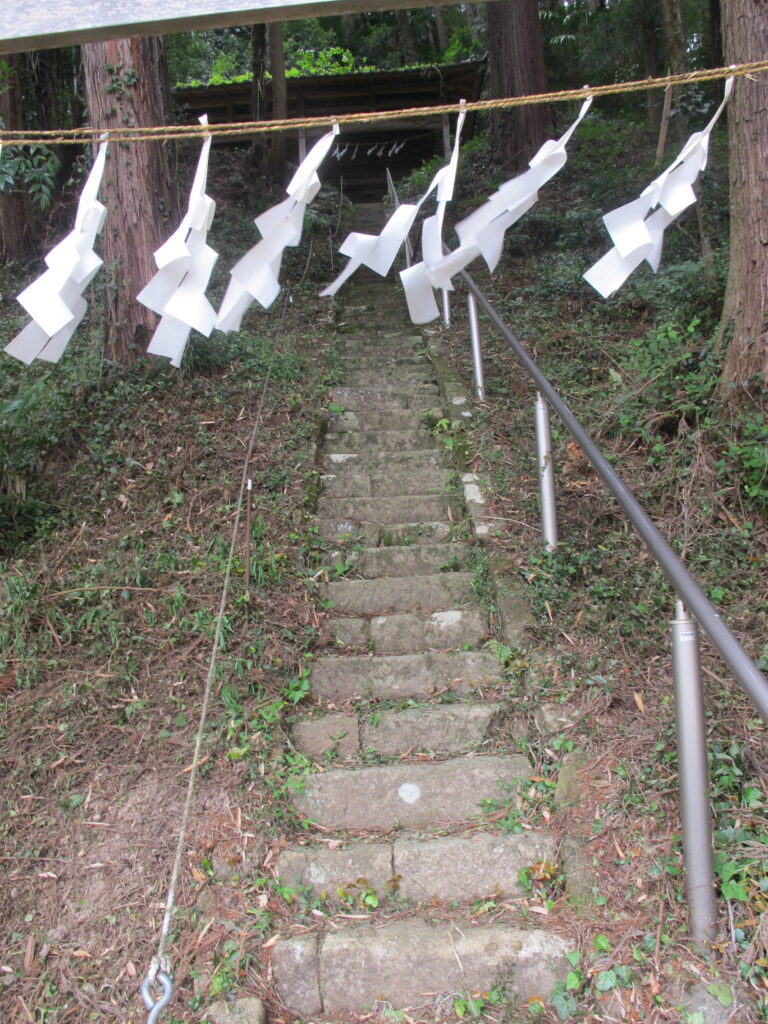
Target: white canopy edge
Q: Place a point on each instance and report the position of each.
(25, 26)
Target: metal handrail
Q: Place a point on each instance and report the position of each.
(689, 706)
(744, 669)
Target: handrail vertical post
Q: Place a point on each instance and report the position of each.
(693, 774)
(477, 355)
(546, 474)
(248, 516)
(446, 308)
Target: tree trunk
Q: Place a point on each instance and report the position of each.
(714, 36)
(440, 31)
(743, 324)
(405, 37)
(674, 35)
(56, 91)
(258, 151)
(279, 98)
(126, 84)
(676, 39)
(649, 29)
(16, 237)
(517, 69)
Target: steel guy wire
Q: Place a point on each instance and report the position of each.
(160, 968)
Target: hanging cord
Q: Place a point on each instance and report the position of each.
(77, 136)
(159, 972)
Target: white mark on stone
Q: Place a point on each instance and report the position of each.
(316, 874)
(473, 493)
(409, 792)
(443, 620)
(459, 400)
(342, 457)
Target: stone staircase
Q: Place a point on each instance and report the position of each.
(405, 729)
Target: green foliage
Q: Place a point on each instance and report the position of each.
(747, 455)
(333, 60)
(33, 169)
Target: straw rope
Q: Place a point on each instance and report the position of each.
(165, 133)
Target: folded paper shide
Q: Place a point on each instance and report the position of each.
(256, 277)
(637, 228)
(185, 263)
(55, 300)
(378, 252)
(482, 233)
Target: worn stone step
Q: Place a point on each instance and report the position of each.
(367, 420)
(396, 481)
(380, 341)
(409, 795)
(382, 441)
(400, 676)
(444, 869)
(391, 509)
(410, 632)
(384, 361)
(402, 560)
(395, 376)
(344, 531)
(399, 593)
(414, 964)
(375, 462)
(400, 395)
(435, 728)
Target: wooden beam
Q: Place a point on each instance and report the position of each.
(30, 26)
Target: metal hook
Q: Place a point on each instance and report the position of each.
(165, 981)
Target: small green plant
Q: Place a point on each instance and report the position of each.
(32, 169)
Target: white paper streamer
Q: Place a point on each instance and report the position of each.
(185, 263)
(378, 252)
(55, 300)
(482, 233)
(636, 232)
(256, 275)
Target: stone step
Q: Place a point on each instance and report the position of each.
(409, 795)
(399, 593)
(397, 481)
(383, 361)
(393, 509)
(434, 728)
(343, 531)
(443, 869)
(401, 676)
(355, 969)
(410, 632)
(383, 441)
(380, 341)
(400, 395)
(374, 419)
(375, 462)
(412, 560)
(392, 377)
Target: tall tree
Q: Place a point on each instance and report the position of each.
(279, 98)
(743, 324)
(676, 40)
(258, 150)
(126, 85)
(517, 69)
(15, 208)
